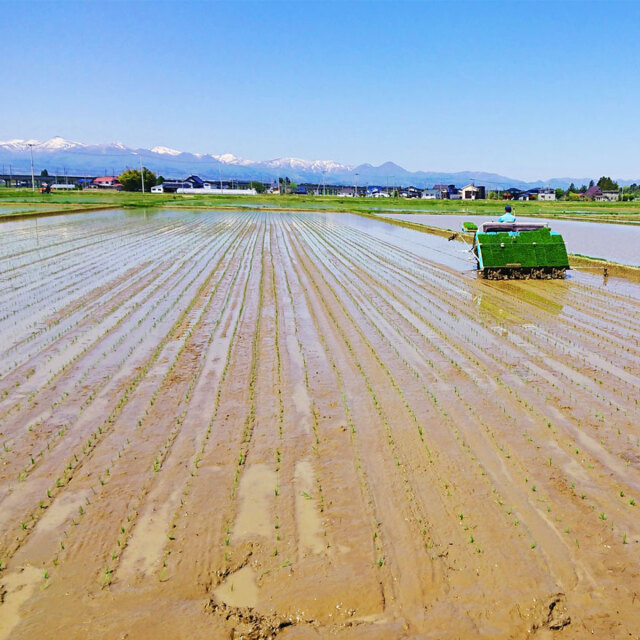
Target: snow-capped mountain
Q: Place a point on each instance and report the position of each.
(165, 150)
(59, 156)
(53, 144)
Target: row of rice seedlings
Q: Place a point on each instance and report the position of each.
(483, 472)
(165, 294)
(365, 315)
(365, 487)
(88, 317)
(118, 257)
(548, 508)
(126, 529)
(313, 408)
(401, 464)
(200, 454)
(106, 576)
(250, 419)
(150, 309)
(353, 287)
(57, 291)
(76, 461)
(106, 265)
(278, 380)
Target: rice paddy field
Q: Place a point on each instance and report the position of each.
(247, 424)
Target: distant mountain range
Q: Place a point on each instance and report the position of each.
(59, 156)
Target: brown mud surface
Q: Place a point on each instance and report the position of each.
(258, 425)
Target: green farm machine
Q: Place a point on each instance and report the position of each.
(507, 250)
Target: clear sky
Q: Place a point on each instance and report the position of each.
(527, 89)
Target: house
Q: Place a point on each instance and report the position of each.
(546, 194)
(106, 182)
(195, 184)
(377, 192)
(471, 192)
(597, 194)
(447, 191)
(432, 194)
(511, 194)
(410, 192)
(609, 196)
(592, 193)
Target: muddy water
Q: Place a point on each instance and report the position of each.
(228, 424)
(616, 242)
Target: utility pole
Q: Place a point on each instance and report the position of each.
(141, 174)
(356, 185)
(33, 180)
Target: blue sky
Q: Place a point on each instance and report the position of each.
(527, 89)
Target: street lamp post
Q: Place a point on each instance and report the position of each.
(33, 180)
(356, 185)
(141, 174)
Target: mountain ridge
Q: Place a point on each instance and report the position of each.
(59, 155)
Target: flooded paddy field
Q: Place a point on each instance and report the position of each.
(248, 424)
(616, 242)
(16, 208)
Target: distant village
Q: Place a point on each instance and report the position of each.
(604, 191)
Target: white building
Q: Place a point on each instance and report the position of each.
(471, 192)
(546, 194)
(608, 196)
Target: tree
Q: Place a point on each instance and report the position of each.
(559, 194)
(258, 186)
(493, 195)
(607, 184)
(571, 189)
(159, 180)
(583, 189)
(44, 173)
(131, 181)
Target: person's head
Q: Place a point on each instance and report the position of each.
(507, 208)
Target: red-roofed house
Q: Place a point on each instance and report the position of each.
(107, 182)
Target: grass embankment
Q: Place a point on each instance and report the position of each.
(601, 211)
